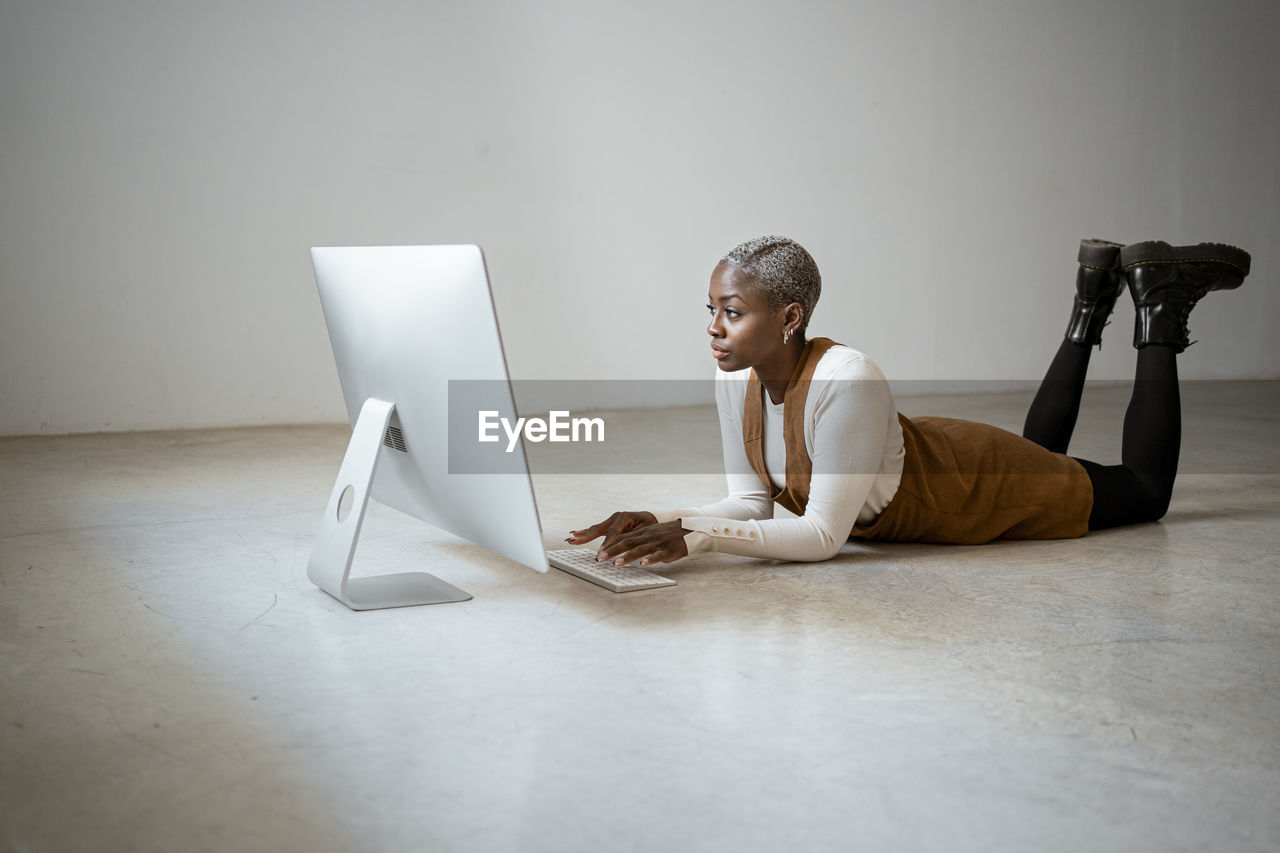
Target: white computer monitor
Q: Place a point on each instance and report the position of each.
(406, 322)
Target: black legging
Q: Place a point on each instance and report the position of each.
(1138, 489)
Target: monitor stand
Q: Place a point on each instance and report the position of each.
(330, 565)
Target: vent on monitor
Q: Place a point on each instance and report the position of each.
(394, 439)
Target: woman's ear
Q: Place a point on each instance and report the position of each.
(795, 316)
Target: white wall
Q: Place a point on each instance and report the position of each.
(164, 167)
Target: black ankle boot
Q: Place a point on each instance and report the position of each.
(1098, 283)
(1167, 281)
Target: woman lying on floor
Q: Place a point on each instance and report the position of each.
(812, 425)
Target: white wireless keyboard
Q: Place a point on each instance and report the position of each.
(582, 562)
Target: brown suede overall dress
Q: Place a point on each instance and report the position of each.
(963, 482)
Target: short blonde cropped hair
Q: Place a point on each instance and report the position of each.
(782, 270)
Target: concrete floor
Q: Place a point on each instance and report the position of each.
(172, 681)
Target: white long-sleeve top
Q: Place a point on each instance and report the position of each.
(854, 440)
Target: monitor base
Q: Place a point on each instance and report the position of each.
(330, 565)
(406, 589)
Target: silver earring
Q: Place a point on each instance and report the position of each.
(786, 337)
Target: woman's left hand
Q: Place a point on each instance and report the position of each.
(653, 543)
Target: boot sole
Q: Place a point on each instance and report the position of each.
(1160, 252)
(1098, 254)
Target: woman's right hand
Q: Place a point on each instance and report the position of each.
(612, 527)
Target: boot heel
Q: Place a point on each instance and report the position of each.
(1099, 254)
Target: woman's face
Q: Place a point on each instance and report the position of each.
(744, 332)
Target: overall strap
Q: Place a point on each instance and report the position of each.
(799, 467)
